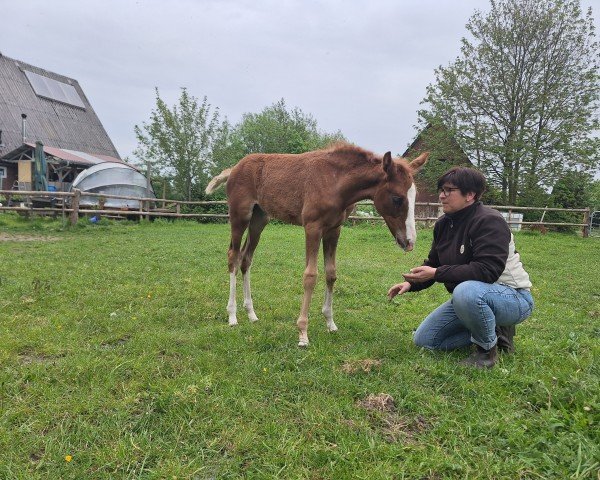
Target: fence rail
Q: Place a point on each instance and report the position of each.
(68, 203)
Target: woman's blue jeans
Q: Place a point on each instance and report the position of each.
(472, 315)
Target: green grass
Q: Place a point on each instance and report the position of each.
(115, 350)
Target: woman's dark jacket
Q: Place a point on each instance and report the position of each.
(471, 244)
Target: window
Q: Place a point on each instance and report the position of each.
(54, 90)
(3, 172)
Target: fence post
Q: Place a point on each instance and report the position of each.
(101, 204)
(586, 219)
(75, 206)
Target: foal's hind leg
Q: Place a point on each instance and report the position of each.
(313, 240)
(257, 224)
(238, 226)
(330, 241)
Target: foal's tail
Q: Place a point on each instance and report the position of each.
(219, 180)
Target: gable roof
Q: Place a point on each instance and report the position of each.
(59, 115)
(419, 144)
(74, 157)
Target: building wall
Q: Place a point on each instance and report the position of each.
(25, 171)
(11, 171)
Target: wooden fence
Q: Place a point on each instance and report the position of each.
(68, 205)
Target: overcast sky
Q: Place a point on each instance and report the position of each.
(360, 67)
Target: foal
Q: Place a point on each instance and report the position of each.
(316, 190)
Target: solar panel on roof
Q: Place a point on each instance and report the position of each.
(54, 90)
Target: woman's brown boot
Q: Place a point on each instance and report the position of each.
(482, 358)
(505, 338)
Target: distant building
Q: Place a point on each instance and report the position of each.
(447, 151)
(38, 105)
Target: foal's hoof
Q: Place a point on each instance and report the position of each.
(232, 323)
(332, 328)
(303, 343)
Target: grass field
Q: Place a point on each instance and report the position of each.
(117, 362)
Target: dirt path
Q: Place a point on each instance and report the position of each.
(15, 237)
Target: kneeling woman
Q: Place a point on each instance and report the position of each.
(473, 254)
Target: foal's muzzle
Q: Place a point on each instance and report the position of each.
(405, 244)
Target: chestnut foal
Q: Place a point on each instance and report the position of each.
(316, 190)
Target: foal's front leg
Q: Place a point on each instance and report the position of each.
(313, 239)
(330, 241)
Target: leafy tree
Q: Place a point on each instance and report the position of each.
(523, 97)
(595, 195)
(572, 190)
(278, 129)
(179, 142)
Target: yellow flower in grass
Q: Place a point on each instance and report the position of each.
(68, 458)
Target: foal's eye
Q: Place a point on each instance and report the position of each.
(398, 201)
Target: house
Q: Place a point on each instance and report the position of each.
(445, 153)
(41, 106)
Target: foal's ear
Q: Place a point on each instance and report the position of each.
(418, 162)
(387, 163)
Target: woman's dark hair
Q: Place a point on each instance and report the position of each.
(466, 179)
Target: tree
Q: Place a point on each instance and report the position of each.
(276, 129)
(279, 130)
(572, 190)
(595, 195)
(179, 142)
(523, 97)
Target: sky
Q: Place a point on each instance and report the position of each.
(360, 67)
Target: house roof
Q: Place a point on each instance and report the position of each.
(57, 110)
(75, 157)
(420, 145)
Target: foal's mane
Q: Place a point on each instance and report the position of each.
(352, 152)
(358, 154)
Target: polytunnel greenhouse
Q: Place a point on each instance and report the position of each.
(113, 178)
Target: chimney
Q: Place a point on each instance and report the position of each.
(24, 126)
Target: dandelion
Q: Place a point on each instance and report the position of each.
(68, 458)
(587, 409)
(265, 370)
(149, 296)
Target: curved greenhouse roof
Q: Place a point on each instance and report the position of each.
(113, 179)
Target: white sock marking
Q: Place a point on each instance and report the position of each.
(328, 310)
(248, 297)
(232, 305)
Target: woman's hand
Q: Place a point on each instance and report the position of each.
(420, 274)
(398, 289)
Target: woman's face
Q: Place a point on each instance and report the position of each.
(453, 200)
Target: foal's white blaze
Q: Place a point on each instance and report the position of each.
(411, 231)
(248, 305)
(232, 305)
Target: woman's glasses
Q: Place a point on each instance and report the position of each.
(445, 191)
